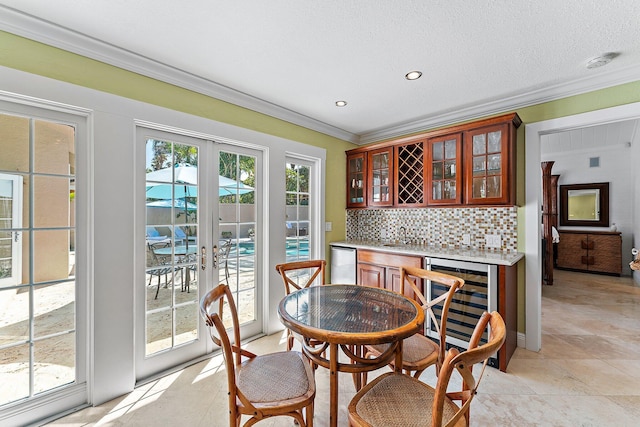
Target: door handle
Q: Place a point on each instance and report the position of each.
(215, 256)
(203, 257)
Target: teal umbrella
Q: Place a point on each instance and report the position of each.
(181, 181)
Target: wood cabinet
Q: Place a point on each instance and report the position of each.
(382, 269)
(590, 251)
(410, 184)
(356, 180)
(380, 177)
(444, 165)
(470, 164)
(489, 165)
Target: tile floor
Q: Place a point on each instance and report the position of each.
(586, 374)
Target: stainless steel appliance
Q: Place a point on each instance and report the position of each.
(343, 265)
(478, 294)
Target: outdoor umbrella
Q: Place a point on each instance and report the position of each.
(181, 181)
(177, 203)
(185, 177)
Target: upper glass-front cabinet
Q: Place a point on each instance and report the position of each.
(380, 177)
(356, 180)
(487, 156)
(445, 170)
(464, 165)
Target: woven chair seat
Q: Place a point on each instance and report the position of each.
(416, 348)
(401, 400)
(273, 377)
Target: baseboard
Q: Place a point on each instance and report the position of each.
(521, 342)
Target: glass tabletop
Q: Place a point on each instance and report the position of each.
(348, 309)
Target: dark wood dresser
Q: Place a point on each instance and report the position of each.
(590, 251)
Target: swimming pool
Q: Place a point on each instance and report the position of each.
(296, 249)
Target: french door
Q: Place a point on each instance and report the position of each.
(43, 263)
(201, 228)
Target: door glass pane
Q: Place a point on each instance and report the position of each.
(37, 259)
(238, 230)
(298, 214)
(15, 134)
(171, 244)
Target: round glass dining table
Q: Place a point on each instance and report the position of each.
(349, 316)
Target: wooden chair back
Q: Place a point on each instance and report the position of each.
(291, 271)
(462, 362)
(260, 387)
(407, 275)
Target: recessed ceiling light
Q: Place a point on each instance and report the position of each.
(600, 60)
(341, 103)
(413, 75)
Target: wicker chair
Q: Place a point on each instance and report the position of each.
(291, 272)
(263, 386)
(418, 351)
(397, 399)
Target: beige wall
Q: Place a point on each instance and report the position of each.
(54, 148)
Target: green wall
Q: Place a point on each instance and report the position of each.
(37, 58)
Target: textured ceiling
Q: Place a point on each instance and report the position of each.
(293, 59)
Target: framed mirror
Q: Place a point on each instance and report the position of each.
(584, 205)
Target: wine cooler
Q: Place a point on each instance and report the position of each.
(479, 294)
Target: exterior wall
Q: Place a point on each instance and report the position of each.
(54, 149)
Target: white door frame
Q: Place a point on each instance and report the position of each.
(16, 223)
(533, 178)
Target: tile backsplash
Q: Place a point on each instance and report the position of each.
(444, 227)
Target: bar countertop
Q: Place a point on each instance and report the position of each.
(485, 256)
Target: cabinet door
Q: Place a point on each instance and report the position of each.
(393, 279)
(444, 170)
(410, 169)
(356, 180)
(570, 251)
(605, 253)
(380, 164)
(371, 275)
(488, 165)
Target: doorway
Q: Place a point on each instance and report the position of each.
(534, 132)
(201, 228)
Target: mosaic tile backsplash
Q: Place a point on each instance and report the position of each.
(444, 227)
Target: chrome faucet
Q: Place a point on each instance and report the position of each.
(402, 231)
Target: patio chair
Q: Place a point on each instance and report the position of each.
(291, 272)
(276, 384)
(398, 399)
(161, 264)
(418, 351)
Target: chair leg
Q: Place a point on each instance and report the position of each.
(158, 287)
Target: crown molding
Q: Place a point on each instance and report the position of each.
(48, 33)
(511, 103)
(33, 28)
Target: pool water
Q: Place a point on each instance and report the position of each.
(295, 249)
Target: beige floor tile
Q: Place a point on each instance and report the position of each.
(585, 375)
